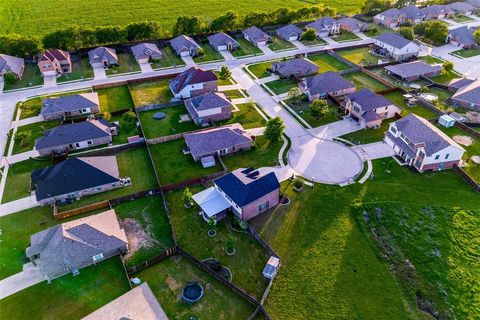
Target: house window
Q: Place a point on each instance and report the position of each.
(89, 142)
(437, 157)
(447, 155)
(77, 145)
(263, 207)
(97, 257)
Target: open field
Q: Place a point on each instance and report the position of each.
(327, 62)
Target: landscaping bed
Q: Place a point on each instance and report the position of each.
(128, 64)
(171, 124)
(151, 92)
(115, 99)
(327, 62)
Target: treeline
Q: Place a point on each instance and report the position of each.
(78, 37)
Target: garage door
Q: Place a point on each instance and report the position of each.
(222, 48)
(293, 38)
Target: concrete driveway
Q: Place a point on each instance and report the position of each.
(146, 67)
(99, 72)
(49, 81)
(22, 280)
(336, 129)
(375, 150)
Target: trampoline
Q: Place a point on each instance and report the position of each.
(192, 292)
(159, 116)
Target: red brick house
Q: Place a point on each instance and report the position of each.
(55, 62)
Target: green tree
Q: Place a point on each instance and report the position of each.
(231, 242)
(107, 116)
(226, 22)
(274, 129)
(476, 34)
(329, 11)
(294, 94)
(22, 137)
(187, 197)
(110, 35)
(282, 16)
(146, 30)
(319, 108)
(129, 119)
(309, 35)
(406, 32)
(372, 7)
(258, 19)
(10, 78)
(435, 30)
(187, 25)
(404, 3)
(20, 46)
(211, 224)
(225, 73)
(447, 66)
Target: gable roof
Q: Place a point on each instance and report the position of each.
(221, 39)
(101, 53)
(323, 24)
(255, 34)
(415, 68)
(244, 186)
(459, 83)
(436, 9)
(469, 93)
(191, 76)
(463, 34)
(412, 12)
(475, 3)
(183, 42)
(208, 101)
(11, 64)
(69, 103)
(368, 100)
(327, 82)
(145, 50)
(54, 54)
(395, 40)
(461, 7)
(299, 66)
(290, 30)
(350, 22)
(393, 13)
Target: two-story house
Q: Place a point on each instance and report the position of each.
(55, 62)
(395, 46)
(193, 82)
(324, 27)
(390, 18)
(213, 106)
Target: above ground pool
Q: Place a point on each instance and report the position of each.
(192, 292)
(429, 96)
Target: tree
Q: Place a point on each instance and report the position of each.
(129, 119)
(22, 137)
(226, 22)
(447, 67)
(258, 19)
(319, 108)
(282, 16)
(309, 35)
(406, 32)
(372, 7)
(110, 35)
(275, 128)
(225, 73)
(211, 224)
(435, 30)
(476, 34)
(10, 78)
(294, 94)
(145, 30)
(403, 3)
(20, 46)
(329, 11)
(187, 197)
(107, 116)
(187, 25)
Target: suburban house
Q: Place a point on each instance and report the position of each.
(462, 8)
(73, 245)
(299, 68)
(75, 178)
(146, 52)
(70, 106)
(217, 141)
(325, 26)
(352, 25)
(290, 32)
(390, 18)
(212, 106)
(395, 46)
(458, 83)
(369, 109)
(75, 136)
(437, 11)
(412, 71)
(256, 36)
(185, 46)
(193, 82)
(55, 62)
(138, 303)
(326, 84)
(475, 3)
(103, 56)
(462, 37)
(467, 96)
(413, 13)
(245, 192)
(421, 145)
(11, 64)
(223, 42)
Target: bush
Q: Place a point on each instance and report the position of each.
(319, 108)
(309, 35)
(406, 32)
(10, 78)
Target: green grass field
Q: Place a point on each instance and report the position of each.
(302, 109)
(115, 98)
(246, 49)
(260, 69)
(151, 92)
(466, 53)
(247, 116)
(127, 63)
(153, 128)
(359, 56)
(346, 36)
(210, 54)
(81, 70)
(328, 63)
(362, 80)
(281, 85)
(279, 44)
(397, 98)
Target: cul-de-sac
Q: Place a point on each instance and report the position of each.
(240, 160)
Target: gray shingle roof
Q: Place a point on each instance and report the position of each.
(327, 82)
(299, 66)
(100, 54)
(464, 35)
(436, 9)
(289, 30)
(208, 101)
(11, 64)
(469, 93)
(69, 103)
(415, 68)
(461, 7)
(368, 100)
(394, 39)
(183, 42)
(322, 25)
(459, 83)
(255, 34)
(350, 22)
(393, 13)
(412, 12)
(191, 76)
(221, 39)
(145, 51)
(475, 3)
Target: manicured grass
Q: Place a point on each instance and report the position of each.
(169, 125)
(127, 62)
(446, 77)
(346, 36)
(191, 232)
(362, 80)
(151, 92)
(247, 116)
(279, 44)
(233, 94)
(328, 63)
(302, 109)
(31, 77)
(364, 136)
(115, 99)
(69, 297)
(359, 56)
(81, 70)
(169, 59)
(397, 98)
(467, 53)
(246, 49)
(380, 29)
(431, 59)
(281, 85)
(260, 69)
(210, 54)
(313, 43)
(34, 131)
(460, 18)
(170, 276)
(126, 130)
(173, 166)
(224, 82)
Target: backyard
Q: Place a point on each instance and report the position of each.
(397, 98)
(446, 77)
(278, 44)
(115, 99)
(362, 80)
(31, 77)
(359, 56)
(247, 116)
(246, 49)
(151, 92)
(168, 59)
(281, 86)
(327, 62)
(301, 107)
(127, 129)
(81, 70)
(209, 54)
(127, 63)
(171, 124)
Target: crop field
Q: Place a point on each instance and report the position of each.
(29, 17)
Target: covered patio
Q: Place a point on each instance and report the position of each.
(213, 204)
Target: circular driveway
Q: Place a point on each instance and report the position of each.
(324, 161)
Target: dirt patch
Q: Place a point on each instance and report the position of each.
(137, 237)
(172, 284)
(463, 140)
(473, 116)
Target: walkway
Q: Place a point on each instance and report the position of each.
(28, 277)
(26, 121)
(18, 205)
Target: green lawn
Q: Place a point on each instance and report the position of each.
(126, 130)
(247, 116)
(151, 92)
(364, 136)
(169, 59)
(31, 77)
(328, 63)
(279, 44)
(233, 94)
(169, 277)
(127, 63)
(466, 53)
(115, 99)
(173, 166)
(246, 49)
(446, 77)
(397, 98)
(34, 131)
(224, 82)
(359, 56)
(443, 96)
(69, 297)
(281, 85)
(260, 69)
(210, 54)
(460, 18)
(431, 59)
(169, 125)
(346, 36)
(191, 232)
(81, 70)
(380, 29)
(362, 80)
(313, 43)
(302, 109)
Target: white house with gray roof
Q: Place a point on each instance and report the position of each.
(103, 56)
(467, 96)
(420, 144)
(185, 46)
(70, 106)
(290, 32)
(223, 42)
(395, 46)
(462, 37)
(256, 36)
(145, 52)
(324, 27)
(11, 64)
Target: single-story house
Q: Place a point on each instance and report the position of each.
(256, 36)
(475, 3)
(290, 32)
(223, 42)
(212, 106)
(390, 18)
(462, 8)
(462, 37)
(368, 108)
(412, 71)
(138, 303)
(217, 141)
(185, 46)
(299, 67)
(73, 245)
(70, 106)
(467, 96)
(325, 26)
(413, 13)
(422, 145)
(55, 62)
(395, 46)
(145, 52)
(458, 83)
(75, 178)
(326, 84)
(75, 136)
(352, 25)
(245, 192)
(103, 56)
(11, 64)
(193, 82)
(437, 11)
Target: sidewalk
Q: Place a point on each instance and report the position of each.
(28, 277)
(18, 205)
(25, 122)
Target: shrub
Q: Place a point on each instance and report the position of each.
(309, 35)
(406, 32)
(187, 197)
(319, 108)
(10, 78)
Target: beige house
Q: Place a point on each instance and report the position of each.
(55, 62)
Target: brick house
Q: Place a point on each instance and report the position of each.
(256, 36)
(390, 18)
(185, 46)
(223, 42)
(326, 84)
(103, 57)
(12, 65)
(70, 106)
(299, 68)
(412, 71)
(55, 62)
(467, 96)
(352, 25)
(193, 82)
(290, 32)
(324, 27)
(213, 106)
(437, 11)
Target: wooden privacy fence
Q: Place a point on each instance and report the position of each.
(152, 261)
(75, 212)
(156, 106)
(262, 242)
(465, 176)
(195, 181)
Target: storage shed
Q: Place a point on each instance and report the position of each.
(446, 121)
(271, 267)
